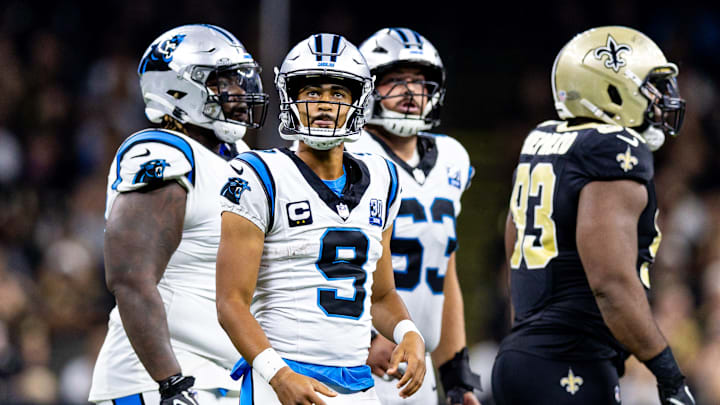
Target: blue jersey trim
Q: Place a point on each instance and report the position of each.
(393, 189)
(134, 399)
(344, 380)
(262, 170)
(246, 390)
(159, 137)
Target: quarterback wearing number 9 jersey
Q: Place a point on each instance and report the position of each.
(304, 266)
(581, 234)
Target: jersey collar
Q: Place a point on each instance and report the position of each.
(427, 148)
(358, 180)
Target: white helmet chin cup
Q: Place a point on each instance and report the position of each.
(654, 137)
(401, 124)
(320, 143)
(318, 138)
(228, 132)
(154, 115)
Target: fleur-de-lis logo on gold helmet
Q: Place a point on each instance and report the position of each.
(572, 382)
(613, 51)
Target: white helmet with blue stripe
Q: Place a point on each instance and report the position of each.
(176, 72)
(320, 57)
(390, 48)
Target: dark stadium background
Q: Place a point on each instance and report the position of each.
(69, 95)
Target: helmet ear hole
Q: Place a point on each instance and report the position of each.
(614, 94)
(176, 94)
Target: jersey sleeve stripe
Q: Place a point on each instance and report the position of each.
(393, 188)
(263, 173)
(159, 137)
(471, 174)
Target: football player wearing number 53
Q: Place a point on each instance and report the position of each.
(304, 262)
(435, 170)
(581, 234)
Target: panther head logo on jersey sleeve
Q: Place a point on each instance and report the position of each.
(151, 171)
(391, 48)
(180, 69)
(233, 189)
(323, 57)
(619, 76)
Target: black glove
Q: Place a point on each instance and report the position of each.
(457, 378)
(670, 381)
(456, 395)
(675, 395)
(176, 390)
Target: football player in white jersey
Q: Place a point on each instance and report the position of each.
(304, 266)
(163, 223)
(435, 170)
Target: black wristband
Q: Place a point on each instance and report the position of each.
(665, 369)
(175, 384)
(373, 334)
(456, 373)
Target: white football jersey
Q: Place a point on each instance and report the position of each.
(312, 297)
(201, 346)
(424, 232)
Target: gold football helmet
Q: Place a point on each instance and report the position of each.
(619, 76)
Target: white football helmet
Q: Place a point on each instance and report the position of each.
(391, 48)
(323, 57)
(177, 69)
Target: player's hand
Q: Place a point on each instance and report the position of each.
(177, 390)
(411, 351)
(459, 396)
(379, 357)
(676, 396)
(296, 389)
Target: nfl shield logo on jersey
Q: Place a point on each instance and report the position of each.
(454, 176)
(376, 208)
(343, 210)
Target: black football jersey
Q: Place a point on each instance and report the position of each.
(556, 314)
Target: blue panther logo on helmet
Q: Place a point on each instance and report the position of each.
(160, 56)
(151, 171)
(233, 189)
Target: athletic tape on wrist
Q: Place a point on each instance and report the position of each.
(404, 327)
(268, 363)
(665, 368)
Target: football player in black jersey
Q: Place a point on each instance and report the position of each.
(581, 234)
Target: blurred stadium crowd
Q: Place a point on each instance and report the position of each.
(69, 95)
